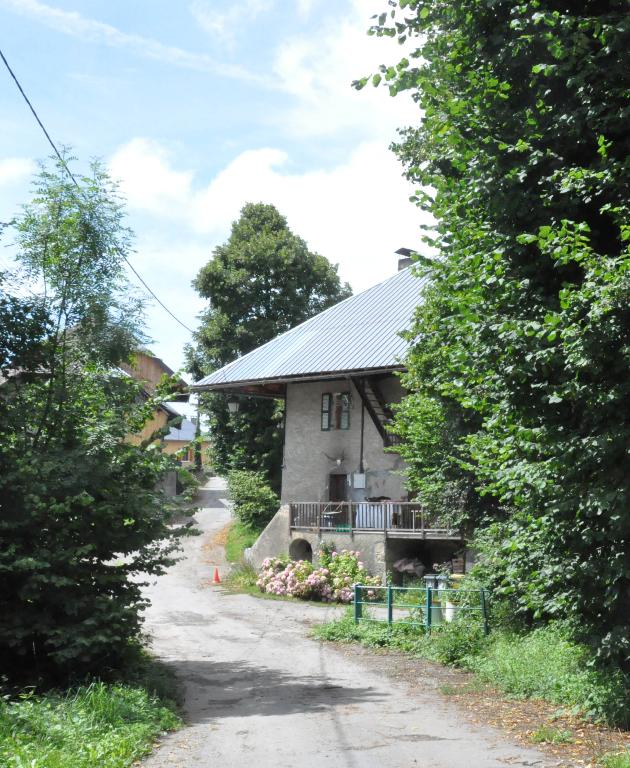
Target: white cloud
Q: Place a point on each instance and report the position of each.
(355, 214)
(224, 24)
(74, 24)
(15, 170)
(305, 7)
(318, 69)
(15, 175)
(149, 181)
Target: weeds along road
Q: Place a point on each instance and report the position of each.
(260, 692)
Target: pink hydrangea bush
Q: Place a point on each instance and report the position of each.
(286, 578)
(332, 582)
(345, 569)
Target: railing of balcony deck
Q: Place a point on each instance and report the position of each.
(348, 516)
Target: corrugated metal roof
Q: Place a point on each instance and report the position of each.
(359, 333)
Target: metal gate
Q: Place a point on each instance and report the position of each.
(425, 607)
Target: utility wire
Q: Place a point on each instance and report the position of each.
(77, 185)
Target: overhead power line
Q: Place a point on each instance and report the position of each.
(76, 183)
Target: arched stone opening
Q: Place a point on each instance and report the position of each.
(300, 549)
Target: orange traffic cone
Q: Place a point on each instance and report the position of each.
(216, 579)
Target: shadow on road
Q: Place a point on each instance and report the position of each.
(242, 689)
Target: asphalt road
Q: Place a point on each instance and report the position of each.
(260, 692)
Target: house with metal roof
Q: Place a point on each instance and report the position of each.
(338, 375)
(179, 441)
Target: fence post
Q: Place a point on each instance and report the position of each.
(427, 619)
(358, 606)
(484, 612)
(390, 604)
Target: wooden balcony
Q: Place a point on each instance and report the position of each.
(394, 519)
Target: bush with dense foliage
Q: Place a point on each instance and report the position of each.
(188, 483)
(520, 353)
(80, 516)
(332, 581)
(254, 501)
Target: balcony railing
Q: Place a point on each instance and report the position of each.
(392, 518)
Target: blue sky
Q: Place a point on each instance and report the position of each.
(200, 106)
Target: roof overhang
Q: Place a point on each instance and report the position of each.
(276, 388)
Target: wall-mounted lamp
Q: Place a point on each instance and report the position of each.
(233, 405)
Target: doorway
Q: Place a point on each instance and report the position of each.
(338, 487)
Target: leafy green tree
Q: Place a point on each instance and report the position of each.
(522, 154)
(260, 283)
(80, 518)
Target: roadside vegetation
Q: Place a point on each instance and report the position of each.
(189, 482)
(84, 522)
(239, 538)
(105, 724)
(545, 664)
(516, 419)
(254, 504)
(82, 509)
(620, 760)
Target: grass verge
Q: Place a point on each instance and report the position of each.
(105, 724)
(546, 734)
(239, 538)
(543, 664)
(619, 760)
(242, 578)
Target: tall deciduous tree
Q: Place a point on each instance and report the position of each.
(79, 513)
(524, 337)
(260, 283)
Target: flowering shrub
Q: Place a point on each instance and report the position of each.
(331, 582)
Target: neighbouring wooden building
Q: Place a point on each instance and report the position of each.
(150, 370)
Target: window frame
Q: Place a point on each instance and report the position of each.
(325, 420)
(334, 411)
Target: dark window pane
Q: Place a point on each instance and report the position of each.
(326, 402)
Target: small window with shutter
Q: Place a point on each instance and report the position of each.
(326, 410)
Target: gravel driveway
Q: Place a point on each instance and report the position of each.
(260, 692)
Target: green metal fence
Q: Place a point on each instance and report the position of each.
(426, 607)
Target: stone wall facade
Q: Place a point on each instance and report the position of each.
(311, 454)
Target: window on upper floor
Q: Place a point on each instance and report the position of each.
(335, 412)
